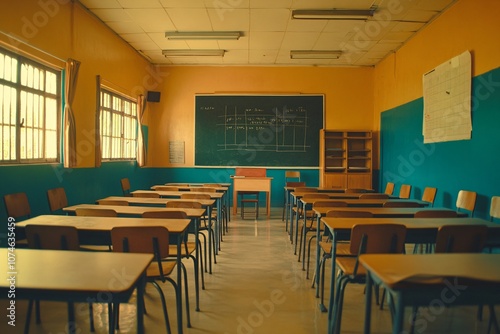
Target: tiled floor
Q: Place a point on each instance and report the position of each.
(257, 286)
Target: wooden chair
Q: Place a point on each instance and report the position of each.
(153, 240)
(389, 188)
(365, 239)
(429, 195)
(204, 189)
(188, 249)
(113, 202)
(286, 204)
(95, 212)
(55, 238)
(147, 195)
(125, 183)
(418, 248)
(466, 200)
(373, 196)
(57, 199)
(459, 239)
(404, 191)
(299, 211)
(495, 208)
(313, 226)
(343, 248)
(401, 204)
(17, 205)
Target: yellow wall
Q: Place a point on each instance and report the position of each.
(348, 98)
(472, 25)
(63, 29)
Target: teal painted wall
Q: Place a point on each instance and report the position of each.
(449, 166)
(85, 185)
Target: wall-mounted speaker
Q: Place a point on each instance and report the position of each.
(153, 96)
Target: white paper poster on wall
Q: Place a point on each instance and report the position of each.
(447, 101)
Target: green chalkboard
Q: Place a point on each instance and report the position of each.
(258, 130)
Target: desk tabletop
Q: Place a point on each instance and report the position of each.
(335, 195)
(106, 223)
(135, 210)
(73, 271)
(190, 187)
(431, 268)
(327, 190)
(155, 201)
(410, 223)
(383, 212)
(364, 201)
(215, 195)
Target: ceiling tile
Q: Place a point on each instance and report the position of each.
(190, 19)
(266, 40)
(234, 20)
(92, 4)
(125, 27)
(112, 15)
(269, 20)
(151, 20)
(299, 40)
(140, 4)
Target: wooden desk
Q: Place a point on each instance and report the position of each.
(155, 201)
(418, 230)
(252, 183)
(418, 280)
(90, 228)
(70, 276)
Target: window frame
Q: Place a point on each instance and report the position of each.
(44, 96)
(107, 137)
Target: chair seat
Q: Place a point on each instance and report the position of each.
(347, 264)
(343, 249)
(172, 249)
(153, 270)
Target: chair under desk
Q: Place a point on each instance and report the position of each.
(419, 230)
(91, 229)
(69, 276)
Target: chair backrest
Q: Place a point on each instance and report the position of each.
(57, 199)
(461, 238)
(292, 174)
(113, 202)
(212, 185)
(466, 200)
(184, 204)
(349, 214)
(95, 212)
(311, 196)
(389, 188)
(429, 195)
(495, 207)
(195, 196)
(374, 196)
(404, 191)
(17, 205)
(125, 186)
(306, 190)
(377, 238)
(354, 190)
(401, 204)
(295, 184)
(148, 195)
(165, 214)
(166, 188)
(52, 237)
(435, 214)
(141, 239)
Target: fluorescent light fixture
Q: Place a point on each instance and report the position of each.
(333, 14)
(193, 53)
(203, 35)
(315, 54)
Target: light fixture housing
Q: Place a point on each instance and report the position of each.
(203, 35)
(333, 14)
(193, 53)
(315, 54)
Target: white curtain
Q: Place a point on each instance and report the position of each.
(141, 149)
(98, 153)
(69, 148)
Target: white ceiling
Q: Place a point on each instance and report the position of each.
(269, 32)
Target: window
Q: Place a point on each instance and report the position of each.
(30, 100)
(118, 127)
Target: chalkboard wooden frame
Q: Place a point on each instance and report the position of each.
(258, 130)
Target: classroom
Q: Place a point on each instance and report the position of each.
(177, 141)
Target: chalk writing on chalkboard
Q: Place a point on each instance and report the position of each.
(258, 130)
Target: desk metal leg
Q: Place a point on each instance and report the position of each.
(368, 306)
(331, 325)
(141, 283)
(179, 284)
(210, 241)
(318, 255)
(397, 327)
